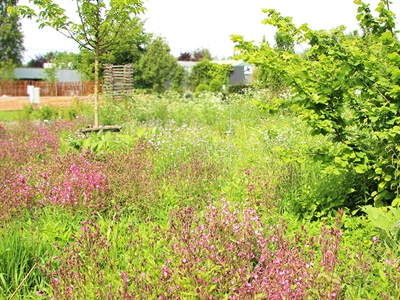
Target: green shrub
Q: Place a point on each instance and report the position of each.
(344, 93)
(46, 113)
(200, 74)
(27, 113)
(177, 80)
(201, 88)
(216, 86)
(205, 71)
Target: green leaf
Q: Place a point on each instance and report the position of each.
(212, 288)
(3, 281)
(141, 132)
(361, 169)
(382, 185)
(395, 231)
(387, 178)
(396, 201)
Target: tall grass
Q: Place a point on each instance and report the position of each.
(19, 255)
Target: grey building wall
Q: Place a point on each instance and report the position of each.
(39, 74)
(238, 75)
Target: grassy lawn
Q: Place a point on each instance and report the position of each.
(14, 115)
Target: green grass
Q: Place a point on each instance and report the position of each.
(18, 256)
(14, 115)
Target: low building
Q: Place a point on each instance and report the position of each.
(67, 83)
(39, 74)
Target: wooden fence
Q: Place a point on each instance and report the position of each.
(118, 80)
(19, 88)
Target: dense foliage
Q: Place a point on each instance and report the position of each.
(128, 48)
(210, 76)
(11, 37)
(347, 88)
(158, 65)
(38, 61)
(11, 42)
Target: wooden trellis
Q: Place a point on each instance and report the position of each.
(118, 80)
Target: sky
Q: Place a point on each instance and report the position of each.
(188, 25)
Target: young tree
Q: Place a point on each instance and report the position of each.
(51, 77)
(128, 48)
(129, 45)
(96, 29)
(158, 65)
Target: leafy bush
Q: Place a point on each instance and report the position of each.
(215, 86)
(340, 88)
(387, 226)
(201, 88)
(200, 74)
(46, 113)
(205, 71)
(27, 112)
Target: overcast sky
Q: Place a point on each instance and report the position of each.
(191, 24)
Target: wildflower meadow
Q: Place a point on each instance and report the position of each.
(196, 198)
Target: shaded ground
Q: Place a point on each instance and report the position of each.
(18, 103)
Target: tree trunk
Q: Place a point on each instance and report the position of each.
(96, 87)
